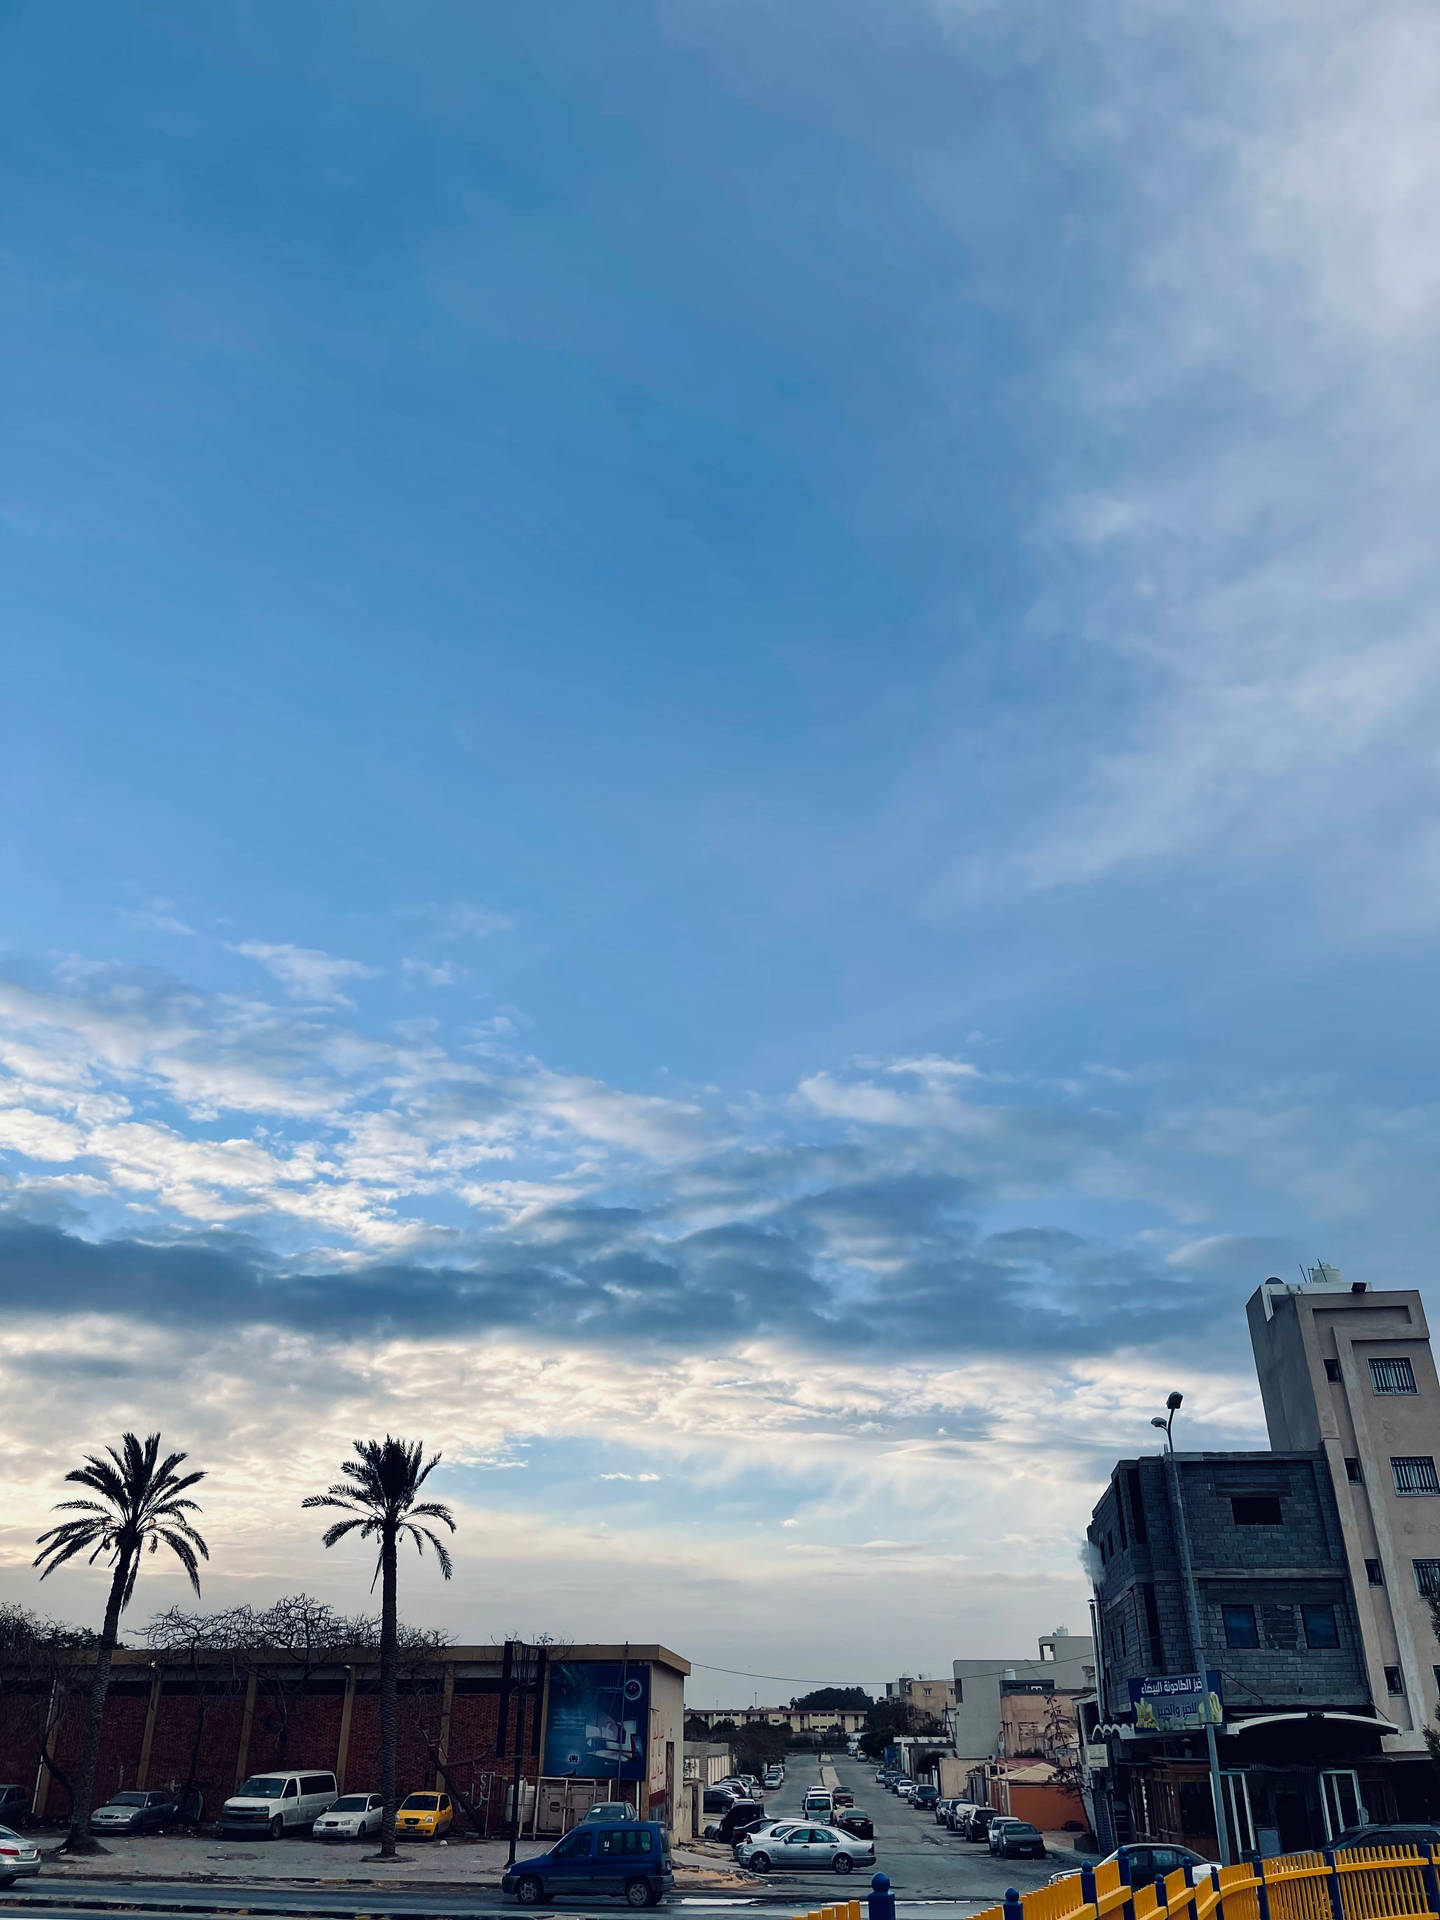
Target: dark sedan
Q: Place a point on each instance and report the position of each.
(1019, 1840)
(853, 1821)
(135, 1812)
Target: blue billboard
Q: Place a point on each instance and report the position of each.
(597, 1720)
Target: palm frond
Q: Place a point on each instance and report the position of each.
(442, 1553)
(342, 1527)
(433, 1510)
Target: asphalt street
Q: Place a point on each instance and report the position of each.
(924, 1861)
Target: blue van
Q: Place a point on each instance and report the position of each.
(629, 1858)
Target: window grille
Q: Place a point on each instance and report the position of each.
(1392, 1376)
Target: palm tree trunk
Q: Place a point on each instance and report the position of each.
(79, 1839)
(389, 1691)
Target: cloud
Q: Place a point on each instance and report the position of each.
(430, 973)
(305, 972)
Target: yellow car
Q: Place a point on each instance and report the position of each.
(427, 1814)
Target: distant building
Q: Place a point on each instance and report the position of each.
(1066, 1665)
(932, 1697)
(844, 1720)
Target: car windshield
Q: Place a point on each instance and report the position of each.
(8, 1833)
(127, 1800)
(261, 1786)
(421, 1802)
(351, 1803)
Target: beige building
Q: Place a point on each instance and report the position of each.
(932, 1697)
(1348, 1369)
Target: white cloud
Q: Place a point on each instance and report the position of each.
(305, 972)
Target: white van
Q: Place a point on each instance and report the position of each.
(821, 1802)
(276, 1803)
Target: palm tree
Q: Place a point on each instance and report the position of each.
(140, 1502)
(379, 1491)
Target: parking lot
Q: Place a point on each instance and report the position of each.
(923, 1860)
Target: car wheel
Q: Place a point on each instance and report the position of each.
(277, 1827)
(639, 1893)
(760, 1863)
(528, 1891)
(842, 1863)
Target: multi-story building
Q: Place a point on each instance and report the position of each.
(1300, 1745)
(932, 1698)
(1347, 1370)
(1066, 1665)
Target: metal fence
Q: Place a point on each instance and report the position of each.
(1366, 1883)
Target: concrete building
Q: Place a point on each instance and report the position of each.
(1301, 1744)
(1346, 1370)
(1066, 1664)
(930, 1697)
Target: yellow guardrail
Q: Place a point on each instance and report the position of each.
(843, 1910)
(1367, 1883)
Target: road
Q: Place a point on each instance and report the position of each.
(924, 1861)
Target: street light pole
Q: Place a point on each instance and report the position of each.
(1192, 1611)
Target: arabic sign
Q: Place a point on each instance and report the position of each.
(599, 1715)
(1176, 1702)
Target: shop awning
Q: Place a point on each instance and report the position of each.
(1375, 1724)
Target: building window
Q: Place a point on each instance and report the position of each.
(1392, 1376)
(1427, 1577)
(1332, 1369)
(1414, 1473)
(1257, 1510)
(1320, 1627)
(1240, 1628)
(959, 1691)
(1393, 1682)
(1353, 1473)
(1376, 1577)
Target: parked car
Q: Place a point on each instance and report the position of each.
(428, 1815)
(738, 1819)
(276, 1803)
(775, 1776)
(1149, 1860)
(860, 1824)
(924, 1797)
(1414, 1833)
(717, 1799)
(957, 1813)
(353, 1816)
(611, 1810)
(995, 1829)
(136, 1811)
(1016, 1840)
(732, 1783)
(904, 1789)
(842, 1797)
(630, 1860)
(19, 1857)
(753, 1785)
(806, 1847)
(979, 1821)
(15, 1807)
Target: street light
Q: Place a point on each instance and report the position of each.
(1192, 1611)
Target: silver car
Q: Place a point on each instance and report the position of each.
(353, 1816)
(803, 1846)
(19, 1857)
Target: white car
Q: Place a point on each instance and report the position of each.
(353, 1817)
(905, 1789)
(19, 1857)
(805, 1846)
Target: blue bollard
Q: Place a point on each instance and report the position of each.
(1088, 1895)
(882, 1900)
(1215, 1886)
(1161, 1902)
(1128, 1910)
(1014, 1906)
(1262, 1892)
(1337, 1902)
(1429, 1881)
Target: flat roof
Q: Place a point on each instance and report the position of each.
(459, 1654)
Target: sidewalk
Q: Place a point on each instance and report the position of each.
(439, 1864)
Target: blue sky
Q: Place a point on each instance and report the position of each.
(718, 764)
